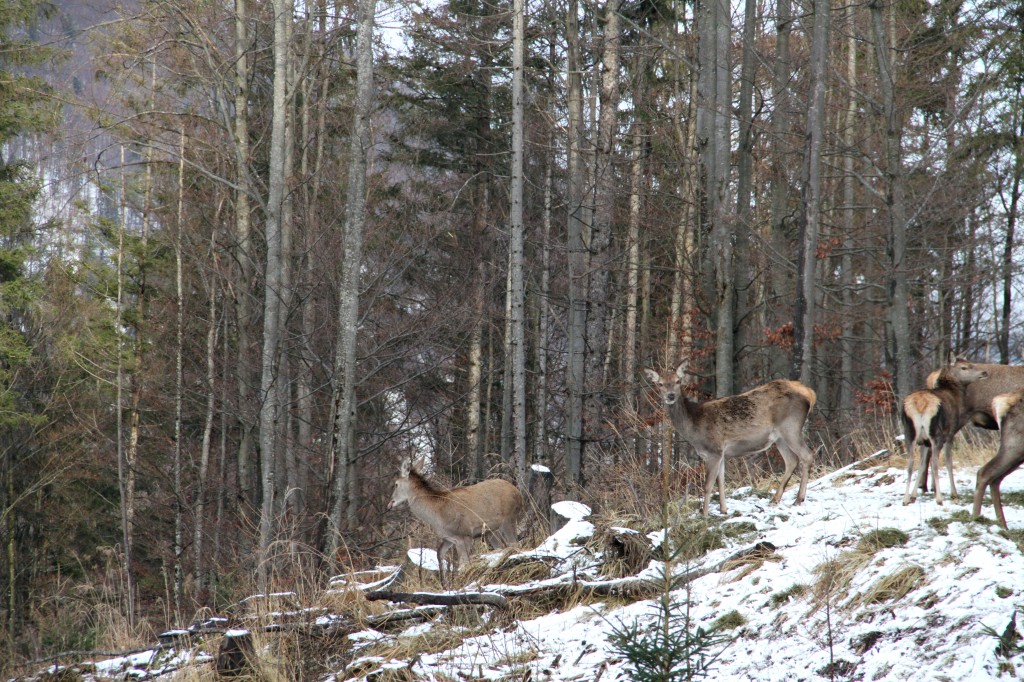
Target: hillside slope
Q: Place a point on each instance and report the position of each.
(859, 587)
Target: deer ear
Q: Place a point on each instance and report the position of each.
(681, 371)
(651, 375)
(952, 358)
(405, 467)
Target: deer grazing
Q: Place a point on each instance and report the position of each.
(489, 509)
(740, 425)
(1008, 411)
(931, 418)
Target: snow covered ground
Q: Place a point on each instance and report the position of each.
(966, 584)
(971, 578)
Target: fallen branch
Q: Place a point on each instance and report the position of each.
(633, 587)
(441, 599)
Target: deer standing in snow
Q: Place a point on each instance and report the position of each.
(977, 405)
(1008, 411)
(738, 425)
(931, 417)
(488, 509)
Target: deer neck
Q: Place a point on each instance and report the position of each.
(682, 413)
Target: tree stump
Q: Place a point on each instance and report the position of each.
(538, 486)
(235, 655)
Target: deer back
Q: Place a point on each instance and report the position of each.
(755, 414)
(467, 511)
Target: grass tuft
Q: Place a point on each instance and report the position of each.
(894, 586)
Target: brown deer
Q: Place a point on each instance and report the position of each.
(1008, 411)
(977, 405)
(740, 425)
(930, 420)
(488, 509)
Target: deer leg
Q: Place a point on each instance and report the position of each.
(947, 451)
(911, 493)
(985, 477)
(934, 458)
(442, 551)
(997, 502)
(711, 467)
(790, 459)
(721, 486)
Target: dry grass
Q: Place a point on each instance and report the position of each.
(892, 587)
(835, 575)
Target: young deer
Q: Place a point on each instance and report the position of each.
(931, 418)
(739, 425)
(1008, 411)
(488, 509)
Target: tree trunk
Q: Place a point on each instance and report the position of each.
(595, 380)
(517, 287)
(810, 225)
(1011, 229)
(179, 387)
(713, 130)
(243, 260)
(345, 501)
(847, 380)
(629, 341)
(269, 357)
(899, 299)
(577, 261)
(540, 434)
(125, 459)
(781, 281)
(744, 278)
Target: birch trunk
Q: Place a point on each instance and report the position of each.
(517, 287)
(345, 485)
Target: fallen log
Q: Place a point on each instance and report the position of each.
(632, 587)
(442, 598)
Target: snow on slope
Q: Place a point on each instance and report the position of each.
(970, 585)
(972, 578)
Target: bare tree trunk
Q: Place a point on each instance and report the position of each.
(540, 435)
(595, 378)
(207, 442)
(629, 342)
(899, 298)
(125, 460)
(780, 187)
(243, 258)
(680, 333)
(1011, 229)
(474, 374)
(713, 130)
(517, 287)
(847, 380)
(270, 355)
(744, 278)
(345, 484)
(179, 388)
(810, 225)
(577, 262)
